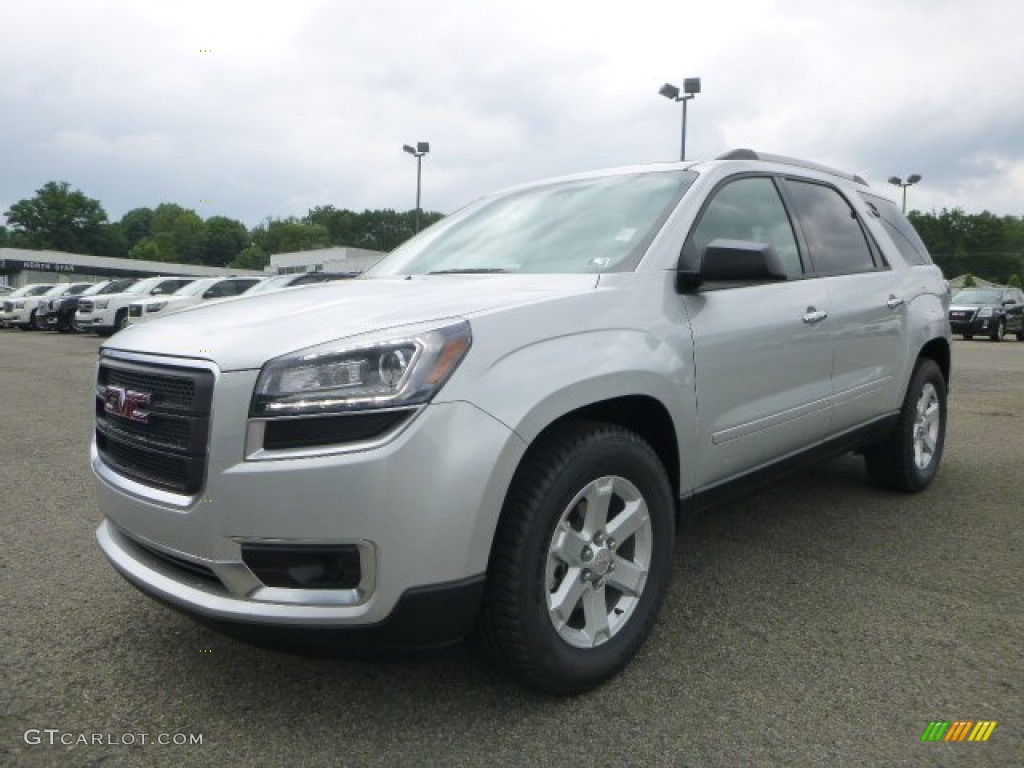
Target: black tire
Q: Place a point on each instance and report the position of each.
(1020, 335)
(968, 336)
(31, 324)
(516, 630)
(120, 319)
(999, 331)
(894, 463)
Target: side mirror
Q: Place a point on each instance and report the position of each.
(733, 261)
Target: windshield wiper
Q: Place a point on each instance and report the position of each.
(469, 271)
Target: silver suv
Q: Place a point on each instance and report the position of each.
(497, 432)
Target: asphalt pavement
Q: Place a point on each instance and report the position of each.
(818, 622)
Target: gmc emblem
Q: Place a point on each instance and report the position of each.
(126, 403)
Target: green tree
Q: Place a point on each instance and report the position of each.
(179, 234)
(969, 281)
(342, 225)
(60, 218)
(225, 238)
(288, 235)
(137, 225)
(251, 257)
(1014, 280)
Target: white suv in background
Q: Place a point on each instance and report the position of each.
(14, 302)
(24, 314)
(107, 314)
(195, 292)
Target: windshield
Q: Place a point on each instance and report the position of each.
(37, 290)
(978, 297)
(118, 286)
(601, 224)
(271, 284)
(92, 290)
(143, 286)
(196, 288)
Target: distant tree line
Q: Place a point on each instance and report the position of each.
(980, 244)
(60, 218)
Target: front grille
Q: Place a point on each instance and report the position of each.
(8, 306)
(160, 442)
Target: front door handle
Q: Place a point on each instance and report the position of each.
(814, 315)
(894, 302)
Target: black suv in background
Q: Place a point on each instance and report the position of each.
(991, 312)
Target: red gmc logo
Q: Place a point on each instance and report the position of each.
(126, 403)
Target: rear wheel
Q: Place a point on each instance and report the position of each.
(581, 559)
(909, 459)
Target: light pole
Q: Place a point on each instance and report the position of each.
(691, 87)
(912, 179)
(421, 148)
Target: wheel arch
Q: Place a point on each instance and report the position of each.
(938, 350)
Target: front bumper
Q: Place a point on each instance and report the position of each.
(423, 617)
(96, 320)
(422, 508)
(969, 321)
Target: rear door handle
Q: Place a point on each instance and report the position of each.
(814, 315)
(894, 302)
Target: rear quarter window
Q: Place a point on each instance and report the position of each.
(900, 230)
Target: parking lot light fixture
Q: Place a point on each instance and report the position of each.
(421, 148)
(691, 87)
(912, 179)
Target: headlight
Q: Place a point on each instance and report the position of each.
(19, 305)
(156, 306)
(101, 304)
(985, 312)
(399, 367)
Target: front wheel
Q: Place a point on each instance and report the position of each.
(909, 459)
(968, 336)
(581, 559)
(999, 331)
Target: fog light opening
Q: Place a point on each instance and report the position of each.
(304, 566)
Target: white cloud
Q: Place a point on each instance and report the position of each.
(307, 103)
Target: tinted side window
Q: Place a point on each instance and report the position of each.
(749, 209)
(834, 235)
(899, 228)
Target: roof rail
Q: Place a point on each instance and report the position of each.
(749, 154)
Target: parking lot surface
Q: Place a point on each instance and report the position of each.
(818, 622)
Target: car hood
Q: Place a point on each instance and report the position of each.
(244, 332)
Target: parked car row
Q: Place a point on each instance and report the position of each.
(107, 307)
(992, 312)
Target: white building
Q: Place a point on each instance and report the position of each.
(20, 267)
(339, 259)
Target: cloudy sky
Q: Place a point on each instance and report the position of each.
(269, 107)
